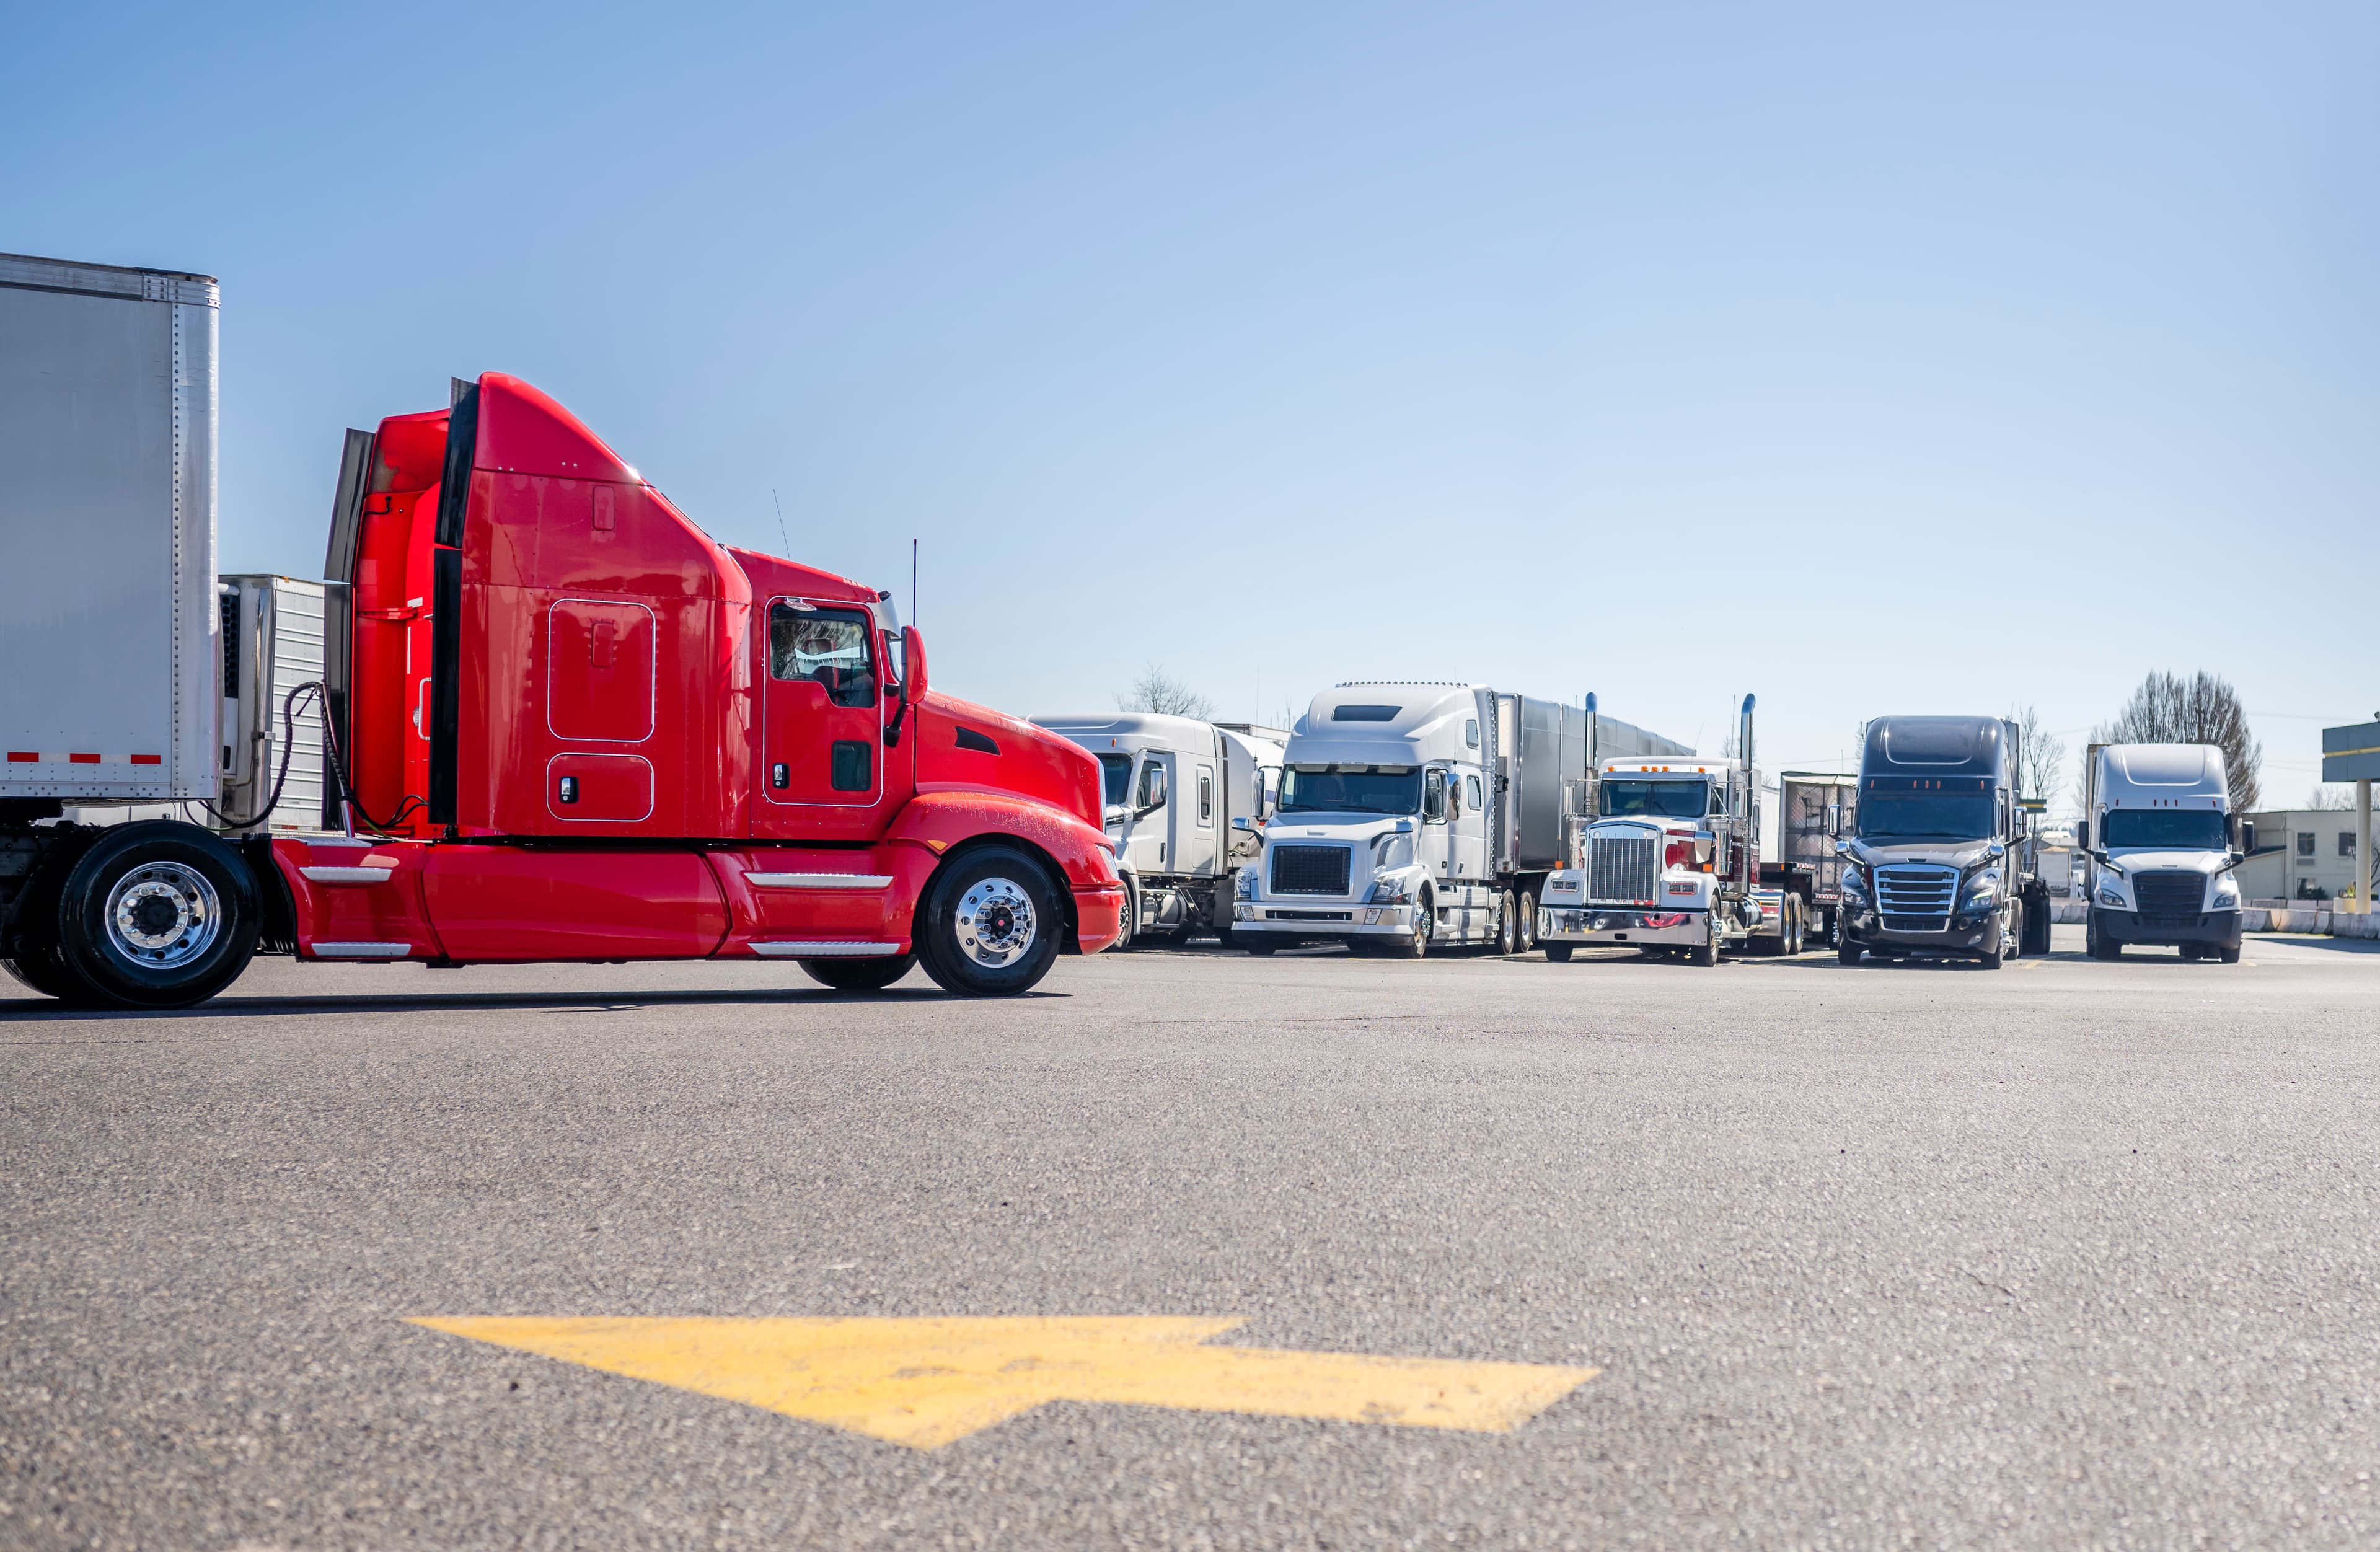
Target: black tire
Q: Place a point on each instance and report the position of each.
(1508, 924)
(42, 969)
(2039, 915)
(2098, 945)
(2230, 956)
(1991, 961)
(993, 888)
(1705, 955)
(2188, 950)
(2017, 907)
(1256, 944)
(1127, 920)
(1526, 930)
(1425, 928)
(158, 914)
(858, 975)
(1846, 952)
(1559, 953)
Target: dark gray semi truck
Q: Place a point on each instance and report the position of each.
(1939, 860)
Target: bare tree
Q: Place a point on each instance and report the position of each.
(2329, 795)
(2042, 751)
(1158, 691)
(2168, 708)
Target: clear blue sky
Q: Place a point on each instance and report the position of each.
(1874, 359)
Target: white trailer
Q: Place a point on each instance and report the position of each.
(108, 638)
(1419, 813)
(111, 645)
(1186, 800)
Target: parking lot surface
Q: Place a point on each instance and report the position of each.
(2070, 1254)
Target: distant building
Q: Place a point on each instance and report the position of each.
(2316, 857)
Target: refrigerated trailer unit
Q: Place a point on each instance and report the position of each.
(271, 631)
(564, 723)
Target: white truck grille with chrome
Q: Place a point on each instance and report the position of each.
(1623, 867)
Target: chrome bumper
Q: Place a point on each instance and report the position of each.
(1322, 920)
(1596, 924)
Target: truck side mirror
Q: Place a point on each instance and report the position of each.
(2247, 835)
(1243, 824)
(2082, 835)
(913, 666)
(1433, 797)
(1152, 790)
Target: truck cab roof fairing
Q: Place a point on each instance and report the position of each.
(1936, 746)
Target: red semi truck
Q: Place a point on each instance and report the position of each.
(567, 725)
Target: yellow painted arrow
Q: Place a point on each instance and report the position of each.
(925, 1382)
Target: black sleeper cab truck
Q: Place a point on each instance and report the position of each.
(1939, 860)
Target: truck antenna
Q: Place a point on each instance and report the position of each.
(781, 523)
(913, 581)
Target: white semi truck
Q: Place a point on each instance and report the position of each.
(1416, 814)
(1185, 803)
(2162, 840)
(1681, 857)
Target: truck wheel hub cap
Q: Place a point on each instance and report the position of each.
(163, 914)
(995, 922)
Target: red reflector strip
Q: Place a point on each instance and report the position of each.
(24, 757)
(148, 759)
(83, 759)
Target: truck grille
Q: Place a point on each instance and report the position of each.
(1624, 868)
(1915, 897)
(1309, 870)
(2169, 891)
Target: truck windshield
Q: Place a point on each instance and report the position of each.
(1896, 818)
(1350, 792)
(1669, 800)
(1116, 769)
(2168, 830)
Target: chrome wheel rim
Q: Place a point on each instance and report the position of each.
(163, 914)
(996, 926)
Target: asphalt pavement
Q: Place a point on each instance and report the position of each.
(2068, 1254)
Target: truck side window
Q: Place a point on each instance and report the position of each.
(1206, 795)
(1471, 792)
(1433, 797)
(1116, 773)
(827, 646)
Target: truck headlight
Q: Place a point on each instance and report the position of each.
(2227, 893)
(1243, 883)
(1982, 893)
(1852, 885)
(2111, 893)
(1388, 889)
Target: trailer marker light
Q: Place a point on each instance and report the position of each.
(83, 759)
(148, 759)
(24, 757)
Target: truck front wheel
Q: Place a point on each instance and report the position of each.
(990, 925)
(858, 975)
(158, 914)
(1706, 953)
(1508, 924)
